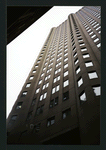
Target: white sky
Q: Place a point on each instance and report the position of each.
(23, 50)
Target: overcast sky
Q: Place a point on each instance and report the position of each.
(23, 50)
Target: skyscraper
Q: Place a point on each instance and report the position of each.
(60, 100)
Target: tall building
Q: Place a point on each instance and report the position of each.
(60, 100)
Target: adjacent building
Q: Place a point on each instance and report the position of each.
(60, 100)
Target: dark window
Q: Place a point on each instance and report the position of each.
(53, 102)
(39, 110)
(66, 113)
(65, 95)
(50, 121)
(33, 101)
(56, 101)
(37, 128)
(19, 105)
(12, 120)
(29, 115)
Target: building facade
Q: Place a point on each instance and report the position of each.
(60, 100)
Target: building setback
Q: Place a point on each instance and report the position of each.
(60, 100)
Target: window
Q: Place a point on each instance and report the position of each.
(59, 54)
(65, 95)
(37, 127)
(42, 74)
(89, 30)
(37, 91)
(59, 59)
(50, 64)
(80, 40)
(86, 55)
(93, 36)
(19, 105)
(40, 57)
(99, 32)
(65, 66)
(88, 64)
(96, 25)
(52, 59)
(43, 96)
(40, 82)
(75, 54)
(29, 115)
(36, 66)
(66, 113)
(65, 50)
(80, 82)
(92, 75)
(44, 69)
(83, 49)
(38, 61)
(45, 63)
(33, 101)
(74, 49)
(53, 102)
(96, 90)
(24, 93)
(47, 77)
(45, 86)
(28, 85)
(66, 83)
(65, 73)
(76, 61)
(39, 110)
(49, 70)
(82, 44)
(97, 39)
(12, 120)
(65, 59)
(91, 33)
(50, 121)
(98, 28)
(31, 77)
(78, 70)
(65, 54)
(34, 71)
(55, 89)
(58, 64)
(99, 45)
(82, 97)
(57, 71)
(57, 79)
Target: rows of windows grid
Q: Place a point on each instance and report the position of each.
(82, 97)
(37, 91)
(76, 53)
(92, 22)
(34, 71)
(94, 13)
(28, 85)
(87, 64)
(94, 7)
(49, 70)
(90, 32)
